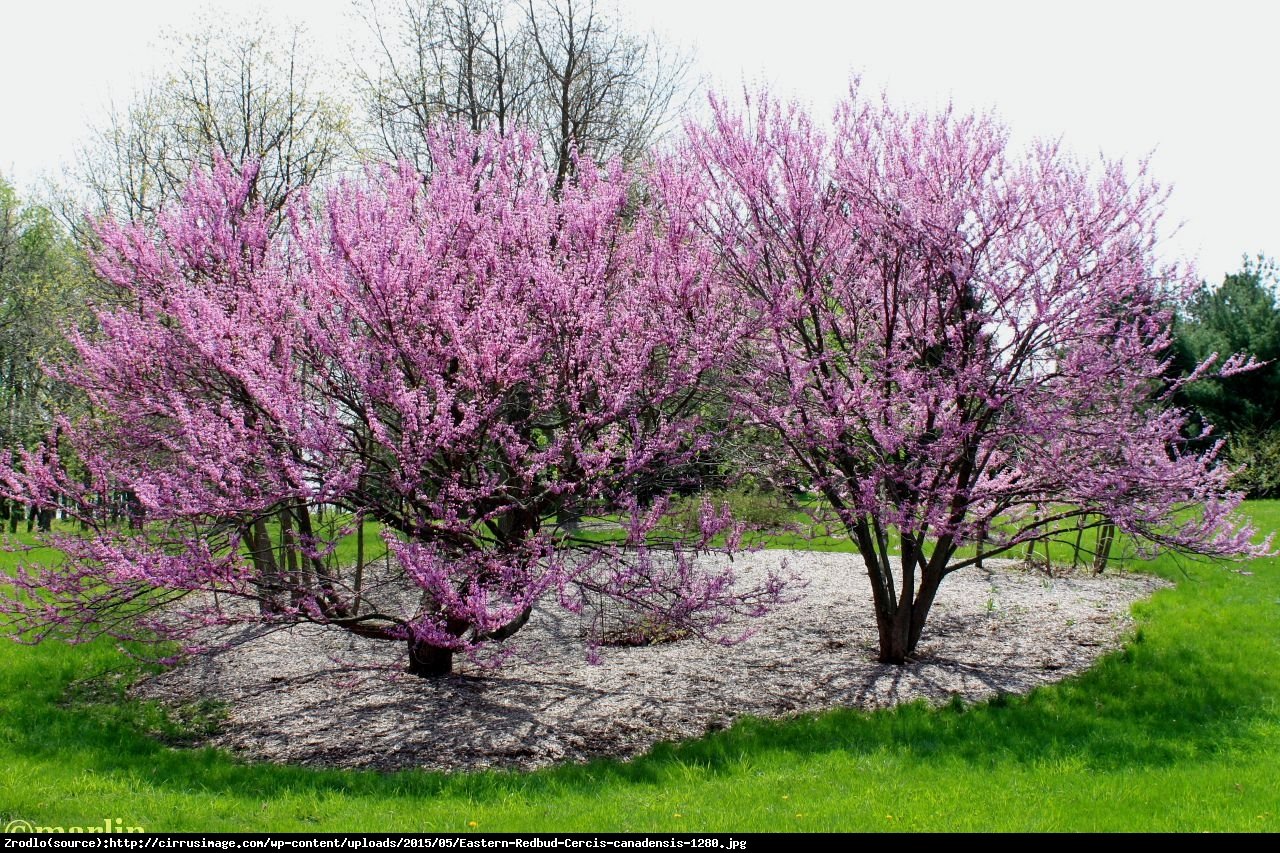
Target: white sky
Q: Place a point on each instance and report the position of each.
(1195, 83)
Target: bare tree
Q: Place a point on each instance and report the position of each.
(128, 167)
(562, 67)
(242, 92)
(441, 60)
(603, 90)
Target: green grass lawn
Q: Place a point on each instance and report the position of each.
(1180, 731)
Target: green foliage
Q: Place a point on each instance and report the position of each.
(1180, 732)
(1240, 315)
(1258, 455)
(43, 280)
(759, 509)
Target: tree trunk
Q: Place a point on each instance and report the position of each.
(929, 583)
(895, 633)
(900, 620)
(900, 631)
(289, 559)
(1075, 555)
(427, 661)
(267, 573)
(1106, 535)
(358, 586)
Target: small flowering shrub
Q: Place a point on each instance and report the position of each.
(459, 357)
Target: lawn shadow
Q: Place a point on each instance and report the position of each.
(1179, 690)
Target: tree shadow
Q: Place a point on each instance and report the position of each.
(1151, 705)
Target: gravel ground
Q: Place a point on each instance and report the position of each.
(316, 696)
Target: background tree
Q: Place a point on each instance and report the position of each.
(239, 92)
(43, 282)
(441, 60)
(565, 68)
(1241, 314)
(30, 264)
(453, 357)
(956, 344)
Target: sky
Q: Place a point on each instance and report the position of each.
(1192, 85)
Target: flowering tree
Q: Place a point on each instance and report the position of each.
(454, 358)
(955, 344)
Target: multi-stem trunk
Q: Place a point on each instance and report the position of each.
(901, 602)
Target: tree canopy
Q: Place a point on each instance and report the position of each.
(957, 342)
(454, 357)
